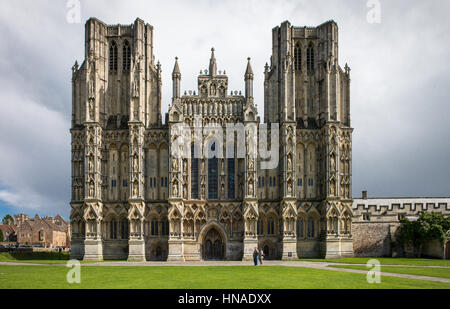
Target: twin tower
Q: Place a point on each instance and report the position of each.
(134, 198)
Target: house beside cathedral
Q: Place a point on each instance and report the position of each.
(211, 182)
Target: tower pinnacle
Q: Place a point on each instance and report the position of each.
(212, 64)
(176, 68)
(248, 77)
(176, 78)
(249, 71)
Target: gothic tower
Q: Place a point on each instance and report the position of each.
(308, 93)
(116, 96)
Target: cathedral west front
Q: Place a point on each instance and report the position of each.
(210, 182)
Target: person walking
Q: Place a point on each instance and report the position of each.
(255, 256)
(260, 256)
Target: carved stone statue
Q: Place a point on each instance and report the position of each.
(250, 187)
(91, 164)
(135, 164)
(91, 89)
(174, 165)
(91, 109)
(91, 189)
(289, 162)
(250, 165)
(175, 188)
(185, 192)
(135, 89)
(185, 166)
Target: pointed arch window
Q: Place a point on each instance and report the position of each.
(194, 172)
(113, 56)
(113, 229)
(126, 56)
(231, 177)
(213, 175)
(271, 226)
(300, 227)
(298, 58)
(310, 58)
(124, 228)
(260, 226)
(311, 231)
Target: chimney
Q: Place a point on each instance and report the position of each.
(364, 194)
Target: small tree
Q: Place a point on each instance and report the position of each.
(427, 227)
(1, 235)
(8, 220)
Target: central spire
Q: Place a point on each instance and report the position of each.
(212, 64)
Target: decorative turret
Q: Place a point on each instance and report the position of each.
(248, 77)
(176, 78)
(212, 64)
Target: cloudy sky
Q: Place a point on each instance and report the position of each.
(399, 94)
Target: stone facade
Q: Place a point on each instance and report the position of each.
(48, 231)
(133, 198)
(8, 232)
(376, 220)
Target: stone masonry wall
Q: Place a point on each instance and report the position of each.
(372, 239)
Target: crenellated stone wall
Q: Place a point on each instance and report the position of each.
(376, 220)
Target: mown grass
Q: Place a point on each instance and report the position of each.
(419, 271)
(385, 261)
(198, 277)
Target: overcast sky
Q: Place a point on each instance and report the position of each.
(400, 103)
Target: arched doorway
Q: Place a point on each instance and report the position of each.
(213, 246)
(157, 252)
(266, 250)
(269, 250)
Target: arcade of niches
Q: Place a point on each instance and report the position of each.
(133, 199)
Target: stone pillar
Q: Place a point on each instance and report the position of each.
(175, 250)
(136, 242)
(289, 236)
(250, 235)
(289, 201)
(136, 250)
(175, 233)
(340, 244)
(93, 249)
(93, 244)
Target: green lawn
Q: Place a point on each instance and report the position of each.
(420, 271)
(197, 277)
(385, 261)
